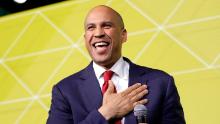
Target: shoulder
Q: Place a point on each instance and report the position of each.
(152, 72)
(156, 78)
(157, 73)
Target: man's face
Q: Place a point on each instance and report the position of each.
(104, 35)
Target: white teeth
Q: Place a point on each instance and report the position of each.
(101, 44)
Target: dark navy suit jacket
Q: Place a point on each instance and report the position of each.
(76, 99)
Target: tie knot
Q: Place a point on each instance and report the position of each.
(108, 75)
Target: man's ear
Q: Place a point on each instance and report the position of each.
(124, 35)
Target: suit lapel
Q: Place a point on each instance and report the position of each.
(135, 76)
(90, 88)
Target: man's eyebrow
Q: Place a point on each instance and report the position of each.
(105, 22)
(89, 24)
(108, 22)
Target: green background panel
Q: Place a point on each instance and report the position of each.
(39, 47)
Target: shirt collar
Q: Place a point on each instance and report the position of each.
(118, 68)
(98, 70)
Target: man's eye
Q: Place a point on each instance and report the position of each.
(90, 28)
(107, 26)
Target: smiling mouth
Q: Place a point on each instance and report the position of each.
(101, 44)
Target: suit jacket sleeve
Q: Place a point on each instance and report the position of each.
(61, 113)
(172, 109)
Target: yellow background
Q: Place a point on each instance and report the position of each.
(40, 47)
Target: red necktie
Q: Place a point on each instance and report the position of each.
(107, 76)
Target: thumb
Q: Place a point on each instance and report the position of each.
(111, 87)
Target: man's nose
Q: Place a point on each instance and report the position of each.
(99, 32)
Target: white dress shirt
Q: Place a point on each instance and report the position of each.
(120, 75)
(119, 78)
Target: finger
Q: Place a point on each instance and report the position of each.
(137, 91)
(130, 89)
(138, 96)
(143, 101)
(111, 87)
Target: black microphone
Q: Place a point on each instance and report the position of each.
(140, 112)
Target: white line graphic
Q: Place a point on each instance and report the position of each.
(19, 36)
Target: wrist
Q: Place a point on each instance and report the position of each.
(105, 113)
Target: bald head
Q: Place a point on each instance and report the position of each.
(108, 11)
(104, 35)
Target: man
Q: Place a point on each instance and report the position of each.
(87, 97)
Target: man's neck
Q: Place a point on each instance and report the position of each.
(107, 66)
